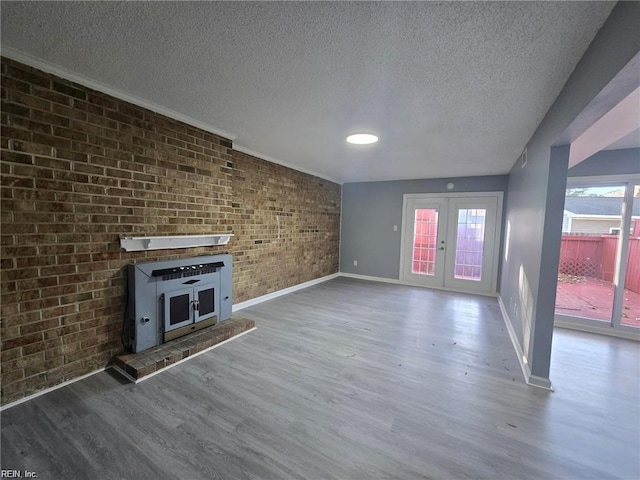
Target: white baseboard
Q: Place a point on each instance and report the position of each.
(50, 389)
(301, 286)
(370, 278)
(284, 291)
(533, 380)
(540, 382)
(400, 282)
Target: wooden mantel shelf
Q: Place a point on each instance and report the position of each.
(138, 244)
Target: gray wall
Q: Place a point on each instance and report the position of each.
(609, 162)
(371, 209)
(535, 193)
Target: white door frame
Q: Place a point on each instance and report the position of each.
(435, 280)
(497, 235)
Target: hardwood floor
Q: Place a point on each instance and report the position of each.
(348, 380)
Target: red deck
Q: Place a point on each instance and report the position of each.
(593, 298)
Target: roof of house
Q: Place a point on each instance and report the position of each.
(597, 205)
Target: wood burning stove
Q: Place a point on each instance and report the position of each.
(169, 299)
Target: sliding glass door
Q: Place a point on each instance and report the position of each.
(599, 268)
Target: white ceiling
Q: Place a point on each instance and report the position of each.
(618, 128)
(631, 140)
(451, 88)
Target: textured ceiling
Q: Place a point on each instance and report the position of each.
(451, 88)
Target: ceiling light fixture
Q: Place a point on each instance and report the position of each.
(362, 139)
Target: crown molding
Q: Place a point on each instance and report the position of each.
(101, 87)
(248, 151)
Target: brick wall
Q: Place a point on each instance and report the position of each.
(80, 169)
(287, 222)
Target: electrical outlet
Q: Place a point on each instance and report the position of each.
(355, 263)
(395, 228)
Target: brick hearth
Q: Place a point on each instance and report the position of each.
(143, 364)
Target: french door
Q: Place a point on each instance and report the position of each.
(450, 241)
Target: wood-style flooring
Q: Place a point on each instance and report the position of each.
(348, 380)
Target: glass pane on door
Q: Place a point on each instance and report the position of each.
(425, 237)
(470, 243)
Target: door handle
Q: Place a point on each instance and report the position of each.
(196, 305)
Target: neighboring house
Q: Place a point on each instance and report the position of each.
(595, 215)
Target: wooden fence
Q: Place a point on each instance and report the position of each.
(595, 256)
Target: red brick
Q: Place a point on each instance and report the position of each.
(102, 100)
(26, 124)
(57, 270)
(11, 354)
(30, 101)
(50, 95)
(17, 85)
(50, 118)
(39, 326)
(55, 249)
(45, 365)
(24, 73)
(67, 113)
(14, 109)
(21, 341)
(11, 377)
(31, 147)
(42, 346)
(65, 88)
(57, 164)
(59, 311)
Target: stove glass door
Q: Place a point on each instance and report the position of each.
(205, 303)
(178, 308)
